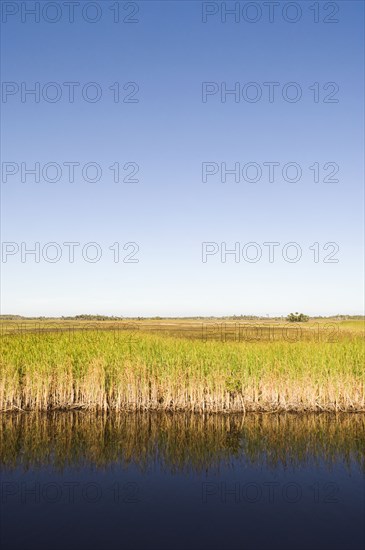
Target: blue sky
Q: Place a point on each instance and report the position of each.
(169, 133)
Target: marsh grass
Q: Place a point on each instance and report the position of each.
(112, 371)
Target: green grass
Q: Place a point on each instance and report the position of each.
(149, 368)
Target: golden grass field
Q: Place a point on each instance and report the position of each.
(189, 365)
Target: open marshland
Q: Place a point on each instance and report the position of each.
(99, 432)
(182, 365)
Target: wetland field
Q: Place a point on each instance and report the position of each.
(182, 433)
(183, 365)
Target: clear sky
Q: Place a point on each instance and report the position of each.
(165, 126)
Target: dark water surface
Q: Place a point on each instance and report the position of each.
(163, 481)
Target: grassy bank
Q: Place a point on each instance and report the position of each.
(150, 370)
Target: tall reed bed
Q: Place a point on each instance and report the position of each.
(112, 371)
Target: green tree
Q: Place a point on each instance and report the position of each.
(297, 318)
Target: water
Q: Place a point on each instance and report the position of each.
(146, 481)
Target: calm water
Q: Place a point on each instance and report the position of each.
(141, 481)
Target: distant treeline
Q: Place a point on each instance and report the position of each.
(88, 317)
